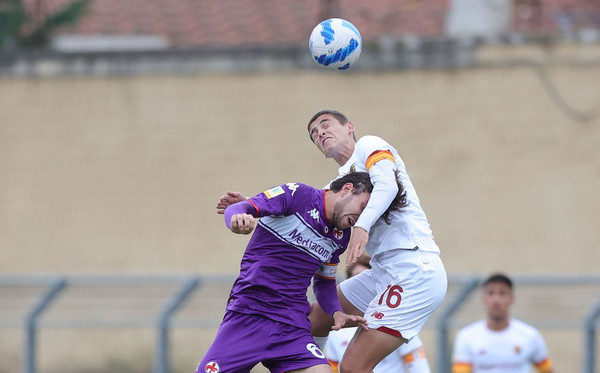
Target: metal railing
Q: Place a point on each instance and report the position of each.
(110, 301)
(160, 302)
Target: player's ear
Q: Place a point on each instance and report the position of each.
(350, 127)
(347, 189)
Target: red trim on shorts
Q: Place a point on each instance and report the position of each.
(389, 331)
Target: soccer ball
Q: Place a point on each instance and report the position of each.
(335, 44)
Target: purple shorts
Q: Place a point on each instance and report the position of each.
(244, 340)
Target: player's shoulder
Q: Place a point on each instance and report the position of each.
(295, 185)
(371, 141)
(291, 190)
(470, 330)
(524, 328)
(369, 144)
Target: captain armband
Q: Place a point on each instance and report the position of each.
(327, 271)
(378, 156)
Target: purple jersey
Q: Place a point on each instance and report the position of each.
(290, 244)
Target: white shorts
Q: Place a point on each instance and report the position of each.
(400, 292)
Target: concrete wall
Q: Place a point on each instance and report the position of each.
(121, 175)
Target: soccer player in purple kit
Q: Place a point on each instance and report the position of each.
(300, 235)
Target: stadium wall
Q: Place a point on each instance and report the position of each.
(122, 174)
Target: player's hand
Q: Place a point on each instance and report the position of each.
(357, 244)
(242, 223)
(229, 199)
(344, 320)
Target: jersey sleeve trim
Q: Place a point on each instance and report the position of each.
(378, 156)
(256, 207)
(461, 368)
(408, 358)
(414, 356)
(544, 365)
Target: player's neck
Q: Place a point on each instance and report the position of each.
(342, 156)
(498, 325)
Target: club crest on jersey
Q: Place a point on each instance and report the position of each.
(314, 213)
(517, 350)
(338, 234)
(212, 367)
(274, 192)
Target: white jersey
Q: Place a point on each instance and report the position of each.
(512, 350)
(399, 361)
(410, 228)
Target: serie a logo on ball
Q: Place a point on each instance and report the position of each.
(335, 44)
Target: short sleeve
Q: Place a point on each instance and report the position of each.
(539, 356)
(369, 146)
(461, 355)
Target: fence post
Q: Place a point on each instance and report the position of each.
(161, 353)
(589, 359)
(31, 319)
(443, 343)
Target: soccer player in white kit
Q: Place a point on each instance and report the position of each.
(499, 344)
(407, 282)
(408, 358)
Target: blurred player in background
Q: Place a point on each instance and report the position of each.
(301, 233)
(408, 358)
(499, 344)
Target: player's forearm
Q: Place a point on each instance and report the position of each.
(326, 294)
(385, 188)
(244, 207)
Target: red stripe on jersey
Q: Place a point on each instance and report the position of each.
(325, 206)
(256, 207)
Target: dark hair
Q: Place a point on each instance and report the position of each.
(498, 278)
(341, 117)
(362, 183)
(359, 180)
(400, 200)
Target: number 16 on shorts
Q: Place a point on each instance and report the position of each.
(392, 296)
